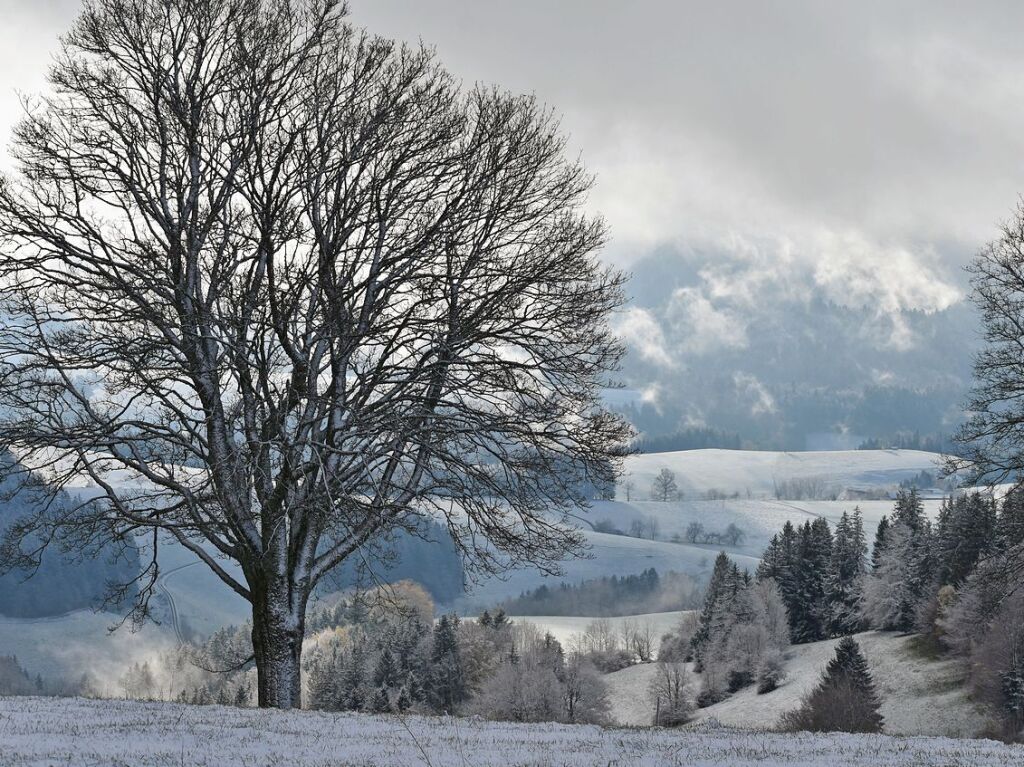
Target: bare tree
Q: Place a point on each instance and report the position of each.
(992, 437)
(301, 290)
(733, 534)
(695, 532)
(664, 487)
(673, 705)
(645, 527)
(638, 639)
(629, 487)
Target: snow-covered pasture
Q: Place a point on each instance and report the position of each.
(38, 732)
(920, 696)
(607, 555)
(758, 519)
(567, 629)
(204, 603)
(756, 473)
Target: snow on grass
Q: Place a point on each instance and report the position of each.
(759, 519)
(608, 555)
(38, 732)
(758, 472)
(567, 628)
(919, 696)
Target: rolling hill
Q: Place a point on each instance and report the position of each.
(920, 696)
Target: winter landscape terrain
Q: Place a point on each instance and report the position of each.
(45, 733)
(511, 385)
(192, 598)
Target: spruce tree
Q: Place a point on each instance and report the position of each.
(965, 532)
(904, 572)
(807, 607)
(447, 679)
(845, 699)
(381, 703)
(714, 599)
(404, 700)
(881, 534)
(351, 686)
(845, 582)
(385, 673)
(1010, 522)
(909, 510)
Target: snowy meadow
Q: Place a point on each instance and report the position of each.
(38, 732)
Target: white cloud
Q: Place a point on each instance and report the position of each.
(642, 332)
(855, 272)
(700, 326)
(755, 392)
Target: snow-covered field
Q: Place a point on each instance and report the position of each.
(607, 555)
(758, 519)
(756, 473)
(919, 696)
(40, 732)
(566, 628)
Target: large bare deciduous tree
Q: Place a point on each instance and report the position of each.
(993, 435)
(301, 288)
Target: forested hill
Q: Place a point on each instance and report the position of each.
(65, 581)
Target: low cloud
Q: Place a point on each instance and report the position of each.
(642, 332)
(701, 326)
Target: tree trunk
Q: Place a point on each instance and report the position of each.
(277, 633)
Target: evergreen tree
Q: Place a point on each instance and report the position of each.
(351, 685)
(385, 672)
(772, 564)
(447, 688)
(909, 510)
(323, 681)
(807, 607)
(404, 700)
(1010, 522)
(845, 583)
(381, 703)
(881, 535)
(845, 699)
(966, 531)
(716, 598)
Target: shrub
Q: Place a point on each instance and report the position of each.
(770, 673)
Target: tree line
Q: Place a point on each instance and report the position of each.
(648, 592)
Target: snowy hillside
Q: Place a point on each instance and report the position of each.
(39, 731)
(756, 474)
(607, 555)
(919, 696)
(758, 519)
(567, 628)
(194, 599)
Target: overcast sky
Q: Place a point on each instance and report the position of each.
(859, 149)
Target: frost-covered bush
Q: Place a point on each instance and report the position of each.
(770, 672)
(672, 703)
(535, 682)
